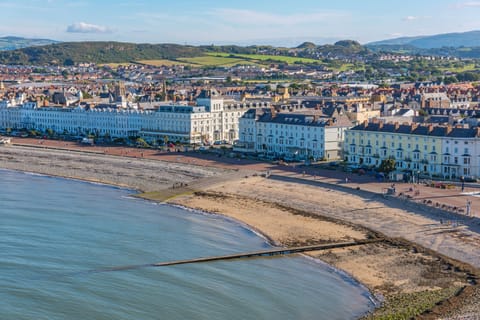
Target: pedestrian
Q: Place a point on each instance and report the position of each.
(346, 179)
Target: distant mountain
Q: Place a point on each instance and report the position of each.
(455, 40)
(12, 43)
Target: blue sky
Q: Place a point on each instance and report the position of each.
(243, 22)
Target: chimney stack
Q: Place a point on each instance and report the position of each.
(449, 129)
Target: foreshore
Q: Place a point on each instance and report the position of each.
(420, 263)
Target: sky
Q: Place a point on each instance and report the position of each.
(243, 22)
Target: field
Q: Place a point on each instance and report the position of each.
(458, 69)
(262, 58)
(221, 59)
(213, 60)
(164, 62)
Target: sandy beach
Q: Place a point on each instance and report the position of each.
(424, 259)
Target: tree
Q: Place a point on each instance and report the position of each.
(141, 143)
(68, 62)
(387, 166)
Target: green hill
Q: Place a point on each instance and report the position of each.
(67, 53)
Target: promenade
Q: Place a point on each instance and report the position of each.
(451, 199)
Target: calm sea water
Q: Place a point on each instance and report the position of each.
(54, 231)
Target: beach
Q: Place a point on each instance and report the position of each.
(428, 255)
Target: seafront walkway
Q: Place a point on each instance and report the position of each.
(443, 196)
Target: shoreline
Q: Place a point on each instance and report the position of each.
(232, 193)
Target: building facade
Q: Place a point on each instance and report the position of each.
(209, 120)
(442, 151)
(290, 135)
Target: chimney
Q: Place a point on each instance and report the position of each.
(449, 129)
(380, 124)
(430, 128)
(477, 131)
(413, 127)
(365, 123)
(397, 125)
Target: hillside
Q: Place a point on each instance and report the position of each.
(101, 52)
(455, 40)
(67, 53)
(12, 43)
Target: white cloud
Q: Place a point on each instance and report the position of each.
(82, 27)
(410, 18)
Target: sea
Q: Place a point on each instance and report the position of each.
(63, 244)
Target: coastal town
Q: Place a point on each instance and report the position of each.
(428, 130)
(360, 160)
(414, 141)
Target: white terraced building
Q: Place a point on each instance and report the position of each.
(293, 135)
(205, 122)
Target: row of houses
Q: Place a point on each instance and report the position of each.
(291, 132)
(206, 121)
(446, 151)
(435, 150)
